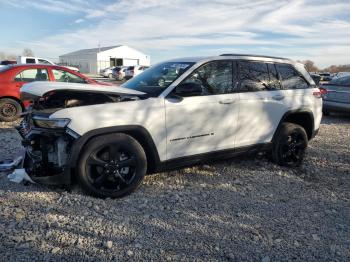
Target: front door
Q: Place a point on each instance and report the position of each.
(207, 122)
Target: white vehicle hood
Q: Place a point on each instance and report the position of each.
(39, 89)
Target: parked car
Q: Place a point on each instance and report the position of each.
(341, 74)
(132, 71)
(119, 73)
(325, 76)
(316, 78)
(215, 107)
(38, 60)
(108, 72)
(12, 78)
(336, 95)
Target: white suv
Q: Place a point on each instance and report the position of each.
(216, 107)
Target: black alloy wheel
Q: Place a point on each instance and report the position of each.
(112, 166)
(290, 145)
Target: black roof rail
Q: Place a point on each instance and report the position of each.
(265, 56)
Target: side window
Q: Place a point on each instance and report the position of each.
(253, 76)
(291, 79)
(64, 76)
(214, 78)
(30, 60)
(43, 61)
(274, 79)
(31, 75)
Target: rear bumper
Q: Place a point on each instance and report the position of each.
(336, 106)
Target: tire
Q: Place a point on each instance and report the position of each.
(110, 76)
(99, 169)
(289, 145)
(10, 110)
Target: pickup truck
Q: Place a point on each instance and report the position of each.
(38, 60)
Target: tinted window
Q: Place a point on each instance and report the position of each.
(274, 79)
(214, 77)
(64, 76)
(30, 61)
(291, 79)
(31, 75)
(253, 76)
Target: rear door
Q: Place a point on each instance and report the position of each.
(261, 104)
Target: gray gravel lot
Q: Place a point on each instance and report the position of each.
(244, 209)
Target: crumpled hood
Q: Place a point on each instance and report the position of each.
(38, 89)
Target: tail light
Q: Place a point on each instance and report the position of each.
(322, 91)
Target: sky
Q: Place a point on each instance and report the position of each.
(165, 29)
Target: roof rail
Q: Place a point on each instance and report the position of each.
(265, 56)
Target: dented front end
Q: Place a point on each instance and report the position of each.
(48, 141)
(47, 151)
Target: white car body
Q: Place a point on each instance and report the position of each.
(173, 125)
(162, 121)
(38, 60)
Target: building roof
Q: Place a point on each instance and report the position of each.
(91, 50)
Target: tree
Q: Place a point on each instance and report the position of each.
(27, 52)
(310, 66)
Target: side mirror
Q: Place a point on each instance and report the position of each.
(188, 89)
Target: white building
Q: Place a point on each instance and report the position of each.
(95, 59)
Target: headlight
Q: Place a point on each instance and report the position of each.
(51, 122)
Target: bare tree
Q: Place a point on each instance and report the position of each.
(27, 52)
(310, 66)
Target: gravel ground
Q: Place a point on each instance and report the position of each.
(244, 209)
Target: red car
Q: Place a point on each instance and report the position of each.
(13, 77)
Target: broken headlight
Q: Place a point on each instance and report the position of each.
(51, 122)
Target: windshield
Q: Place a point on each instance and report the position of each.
(156, 79)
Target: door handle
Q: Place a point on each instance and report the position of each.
(227, 101)
(278, 97)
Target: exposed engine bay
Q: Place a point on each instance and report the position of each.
(60, 99)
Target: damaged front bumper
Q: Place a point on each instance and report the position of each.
(47, 152)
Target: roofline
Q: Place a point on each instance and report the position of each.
(262, 56)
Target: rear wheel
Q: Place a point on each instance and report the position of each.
(289, 145)
(112, 166)
(10, 110)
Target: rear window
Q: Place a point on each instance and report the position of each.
(291, 79)
(130, 68)
(30, 61)
(31, 75)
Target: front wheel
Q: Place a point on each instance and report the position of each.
(112, 166)
(10, 110)
(289, 145)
